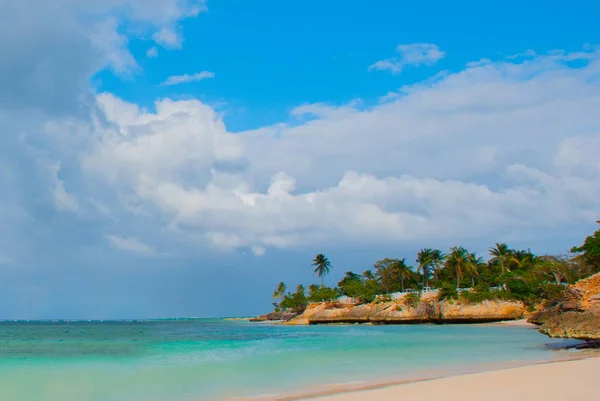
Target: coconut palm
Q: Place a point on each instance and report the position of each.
(404, 271)
(524, 260)
(437, 260)
(501, 255)
(322, 266)
(476, 264)
(280, 291)
(425, 264)
(457, 263)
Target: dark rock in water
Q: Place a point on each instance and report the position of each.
(273, 316)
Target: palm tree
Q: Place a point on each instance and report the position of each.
(458, 262)
(322, 266)
(368, 274)
(280, 291)
(501, 254)
(425, 262)
(524, 260)
(476, 263)
(437, 260)
(404, 271)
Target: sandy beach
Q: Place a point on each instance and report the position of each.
(555, 381)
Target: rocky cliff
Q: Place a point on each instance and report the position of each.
(577, 315)
(402, 312)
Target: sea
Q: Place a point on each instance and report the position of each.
(219, 359)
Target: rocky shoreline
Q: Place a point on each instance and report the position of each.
(401, 311)
(576, 316)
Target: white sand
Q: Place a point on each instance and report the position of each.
(558, 381)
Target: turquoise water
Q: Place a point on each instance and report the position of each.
(211, 359)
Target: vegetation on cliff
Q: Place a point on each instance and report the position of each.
(508, 275)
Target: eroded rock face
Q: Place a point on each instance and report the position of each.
(588, 289)
(486, 311)
(579, 325)
(576, 316)
(424, 312)
(354, 314)
(404, 314)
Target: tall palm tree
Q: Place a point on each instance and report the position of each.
(437, 260)
(457, 262)
(404, 271)
(425, 263)
(322, 266)
(280, 291)
(476, 263)
(501, 254)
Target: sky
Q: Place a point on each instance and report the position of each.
(168, 158)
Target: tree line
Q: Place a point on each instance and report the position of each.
(507, 273)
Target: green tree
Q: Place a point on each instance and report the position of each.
(321, 294)
(425, 264)
(475, 266)
(279, 291)
(322, 266)
(348, 282)
(501, 255)
(523, 260)
(386, 271)
(457, 263)
(296, 301)
(590, 250)
(405, 272)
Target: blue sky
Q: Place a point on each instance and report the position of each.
(181, 157)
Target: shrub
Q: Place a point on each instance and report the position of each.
(413, 299)
(448, 291)
(321, 294)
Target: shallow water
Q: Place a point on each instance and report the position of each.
(212, 359)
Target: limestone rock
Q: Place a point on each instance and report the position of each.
(486, 311)
(402, 313)
(580, 325)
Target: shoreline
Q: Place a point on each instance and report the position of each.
(393, 389)
(555, 380)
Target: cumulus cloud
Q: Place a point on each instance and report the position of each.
(130, 244)
(168, 38)
(56, 46)
(497, 150)
(186, 78)
(414, 54)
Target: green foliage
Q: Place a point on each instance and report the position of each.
(523, 276)
(448, 291)
(320, 294)
(413, 299)
(364, 290)
(394, 274)
(590, 250)
(552, 293)
(296, 301)
(346, 284)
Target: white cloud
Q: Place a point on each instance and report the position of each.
(63, 200)
(259, 250)
(186, 78)
(152, 52)
(498, 150)
(414, 54)
(168, 38)
(130, 244)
